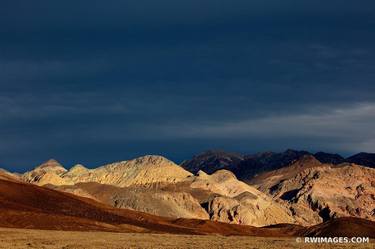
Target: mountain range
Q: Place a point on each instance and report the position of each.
(155, 185)
(33, 207)
(247, 166)
(215, 191)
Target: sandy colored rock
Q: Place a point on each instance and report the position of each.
(238, 203)
(143, 170)
(76, 171)
(46, 173)
(29, 206)
(316, 192)
(163, 203)
(219, 197)
(306, 192)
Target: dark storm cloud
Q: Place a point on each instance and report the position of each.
(115, 13)
(98, 81)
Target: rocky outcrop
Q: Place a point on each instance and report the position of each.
(76, 171)
(46, 173)
(317, 192)
(305, 192)
(161, 188)
(162, 203)
(236, 202)
(270, 181)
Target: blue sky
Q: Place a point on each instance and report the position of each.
(99, 81)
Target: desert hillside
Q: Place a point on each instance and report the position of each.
(317, 192)
(5, 175)
(55, 210)
(143, 170)
(305, 192)
(29, 206)
(218, 197)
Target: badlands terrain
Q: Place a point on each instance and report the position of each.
(155, 185)
(304, 192)
(280, 196)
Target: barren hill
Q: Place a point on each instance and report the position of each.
(143, 170)
(305, 192)
(29, 206)
(343, 227)
(317, 192)
(5, 175)
(219, 197)
(155, 199)
(155, 185)
(236, 202)
(45, 173)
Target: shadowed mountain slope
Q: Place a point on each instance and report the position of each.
(262, 162)
(329, 158)
(247, 166)
(366, 159)
(244, 167)
(211, 161)
(343, 227)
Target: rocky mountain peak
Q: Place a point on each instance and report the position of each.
(77, 169)
(51, 163)
(152, 159)
(51, 166)
(211, 161)
(201, 173)
(223, 175)
(307, 161)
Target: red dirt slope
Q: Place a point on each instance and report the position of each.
(343, 227)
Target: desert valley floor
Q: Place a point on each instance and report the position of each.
(24, 238)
